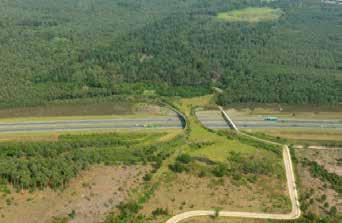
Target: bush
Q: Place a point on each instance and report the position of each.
(147, 177)
(184, 158)
(333, 211)
(72, 214)
(160, 211)
(219, 170)
(178, 167)
(128, 209)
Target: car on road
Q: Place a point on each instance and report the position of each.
(271, 118)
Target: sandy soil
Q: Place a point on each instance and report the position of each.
(92, 194)
(330, 159)
(314, 187)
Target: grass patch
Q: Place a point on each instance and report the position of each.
(251, 15)
(328, 137)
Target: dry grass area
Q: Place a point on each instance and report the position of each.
(305, 134)
(82, 110)
(29, 137)
(318, 195)
(92, 194)
(145, 108)
(71, 109)
(53, 136)
(186, 192)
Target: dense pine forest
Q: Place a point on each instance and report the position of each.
(87, 48)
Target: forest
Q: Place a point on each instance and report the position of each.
(85, 48)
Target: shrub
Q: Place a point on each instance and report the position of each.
(160, 211)
(333, 211)
(178, 167)
(184, 158)
(147, 177)
(128, 209)
(219, 170)
(72, 214)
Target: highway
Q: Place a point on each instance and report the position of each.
(217, 122)
(90, 125)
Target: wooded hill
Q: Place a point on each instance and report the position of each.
(84, 48)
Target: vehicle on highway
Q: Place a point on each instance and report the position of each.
(271, 118)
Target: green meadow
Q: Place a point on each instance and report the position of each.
(251, 15)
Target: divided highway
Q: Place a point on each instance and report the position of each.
(216, 121)
(171, 121)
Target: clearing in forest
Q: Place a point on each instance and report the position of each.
(251, 15)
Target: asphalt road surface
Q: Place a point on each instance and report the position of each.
(217, 122)
(88, 125)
